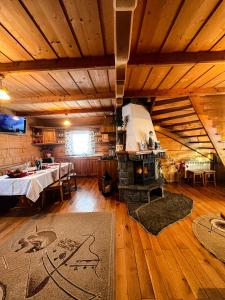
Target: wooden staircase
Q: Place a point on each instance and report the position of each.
(196, 122)
(176, 118)
(209, 115)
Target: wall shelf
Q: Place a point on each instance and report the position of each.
(108, 132)
(106, 142)
(47, 136)
(44, 144)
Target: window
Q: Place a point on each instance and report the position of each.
(80, 142)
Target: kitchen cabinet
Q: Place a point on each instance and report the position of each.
(86, 166)
(47, 136)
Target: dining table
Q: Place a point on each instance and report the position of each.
(34, 182)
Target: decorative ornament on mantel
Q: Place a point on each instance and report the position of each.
(120, 130)
(151, 142)
(3, 91)
(119, 119)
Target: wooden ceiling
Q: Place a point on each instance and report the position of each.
(58, 55)
(57, 29)
(48, 30)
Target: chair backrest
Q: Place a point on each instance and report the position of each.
(67, 173)
(74, 167)
(48, 160)
(60, 176)
(69, 170)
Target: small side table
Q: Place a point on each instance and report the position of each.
(210, 177)
(197, 176)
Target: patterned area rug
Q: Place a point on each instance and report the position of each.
(158, 214)
(210, 231)
(60, 256)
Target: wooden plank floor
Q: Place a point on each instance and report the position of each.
(172, 265)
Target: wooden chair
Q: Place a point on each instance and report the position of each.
(66, 181)
(73, 176)
(195, 177)
(61, 184)
(210, 177)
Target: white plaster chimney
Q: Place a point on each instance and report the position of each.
(138, 126)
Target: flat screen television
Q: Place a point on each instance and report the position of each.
(12, 124)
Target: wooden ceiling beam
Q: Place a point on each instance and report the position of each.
(124, 26)
(192, 136)
(187, 129)
(177, 58)
(170, 101)
(175, 92)
(173, 117)
(200, 142)
(169, 110)
(64, 111)
(83, 122)
(75, 63)
(180, 124)
(123, 22)
(52, 99)
(205, 148)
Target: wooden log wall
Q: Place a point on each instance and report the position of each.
(16, 149)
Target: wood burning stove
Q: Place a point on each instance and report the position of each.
(144, 171)
(139, 178)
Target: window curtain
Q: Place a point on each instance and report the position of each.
(72, 139)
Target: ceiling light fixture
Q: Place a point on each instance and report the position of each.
(67, 122)
(3, 91)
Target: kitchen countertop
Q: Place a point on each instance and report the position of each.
(99, 156)
(87, 156)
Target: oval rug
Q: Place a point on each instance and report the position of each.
(210, 231)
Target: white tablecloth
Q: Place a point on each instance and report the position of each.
(32, 185)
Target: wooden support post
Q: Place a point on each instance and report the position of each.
(152, 104)
(123, 21)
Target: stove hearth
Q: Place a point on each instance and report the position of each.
(139, 178)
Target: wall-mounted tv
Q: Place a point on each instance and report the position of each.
(12, 124)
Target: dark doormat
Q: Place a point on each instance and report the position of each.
(158, 214)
